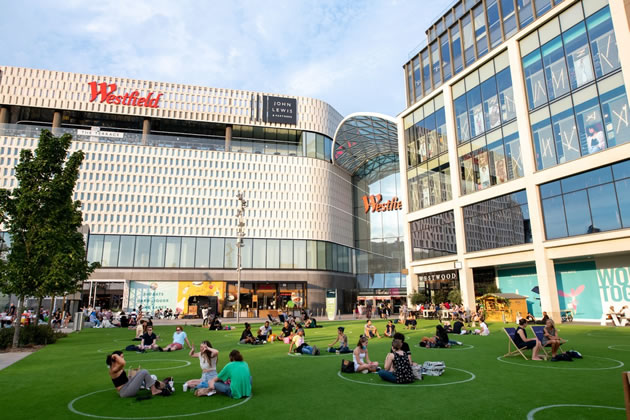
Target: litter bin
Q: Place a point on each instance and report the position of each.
(78, 321)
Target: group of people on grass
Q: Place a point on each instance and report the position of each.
(550, 339)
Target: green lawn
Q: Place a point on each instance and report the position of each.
(72, 373)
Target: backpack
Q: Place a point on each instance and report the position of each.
(131, 347)
(347, 366)
(169, 387)
(575, 354)
(562, 357)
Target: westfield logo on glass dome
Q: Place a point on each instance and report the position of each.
(374, 202)
(108, 94)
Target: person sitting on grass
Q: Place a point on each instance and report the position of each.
(370, 330)
(149, 341)
(287, 332)
(264, 331)
(141, 329)
(234, 380)
(458, 327)
(129, 387)
(390, 329)
(361, 358)
(521, 341)
(208, 357)
(300, 345)
(551, 338)
(246, 336)
(440, 339)
(179, 338)
(397, 367)
(543, 320)
(342, 339)
(405, 345)
(215, 324)
(483, 328)
(410, 322)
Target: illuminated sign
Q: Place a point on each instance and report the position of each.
(107, 94)
(374, 202)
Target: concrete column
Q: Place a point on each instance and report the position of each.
(56, 122)
(228, 137)
(4, 115)
(412, 284)
(146, 129)
(545, 271)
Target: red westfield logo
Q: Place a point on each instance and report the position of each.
(374, 202)
(107, 94)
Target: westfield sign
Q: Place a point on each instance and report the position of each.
(374, 202)
(108, 94)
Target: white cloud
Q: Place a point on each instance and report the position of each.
(348, 53)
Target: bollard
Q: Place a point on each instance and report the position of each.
(78, 321)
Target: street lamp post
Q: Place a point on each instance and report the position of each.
(240, 234)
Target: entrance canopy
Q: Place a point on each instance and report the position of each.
(362, 137)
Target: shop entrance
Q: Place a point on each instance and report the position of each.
(197, 303)
(261, 299)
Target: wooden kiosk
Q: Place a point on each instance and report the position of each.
(503, 307)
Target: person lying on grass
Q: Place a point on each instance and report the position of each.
(208, 357)
(370, 330)
(234, 380)
(397, 367)
(361, 358)
(342, 339)
(440, 339)
(521, 341)
(300, 345)
(129, 387)
(551, 338)
(246, 336)
(179, 338)
(149, 341)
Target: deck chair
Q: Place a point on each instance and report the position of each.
(625, 377)
(616, 321)
(273, 320)
(539, 332)
(510, 333)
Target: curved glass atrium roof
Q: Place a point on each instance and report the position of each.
(363, 137)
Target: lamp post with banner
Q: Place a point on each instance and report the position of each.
(240, 234)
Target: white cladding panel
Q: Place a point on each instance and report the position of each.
(134, 189)
(70, 91)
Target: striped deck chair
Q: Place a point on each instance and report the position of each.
(510, 333)
(539, 332)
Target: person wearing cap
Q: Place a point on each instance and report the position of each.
(342, 339)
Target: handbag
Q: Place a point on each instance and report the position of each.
(133, 372)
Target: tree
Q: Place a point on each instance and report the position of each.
(47, 253)
(455, 297)
(418, 298)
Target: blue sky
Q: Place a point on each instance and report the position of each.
(347, 53)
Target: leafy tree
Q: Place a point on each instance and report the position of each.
(418, 298)
(440, 296)
(47, 253)
(455, 297)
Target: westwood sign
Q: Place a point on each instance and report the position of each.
(374, 202)
(108, 94)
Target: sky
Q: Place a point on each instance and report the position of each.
(347, 53)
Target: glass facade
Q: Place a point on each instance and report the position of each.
(590, 202)
(489, 152)
(498, 222)
(574, 87)
(428, 167)
(378, 235)
(433, 236)
(278, 141)
(471, 29)
(127, 251)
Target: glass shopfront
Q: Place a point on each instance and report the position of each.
(259, 299)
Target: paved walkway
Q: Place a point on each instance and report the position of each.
(7, 359)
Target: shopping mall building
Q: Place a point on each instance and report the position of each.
(516, 145)
(163, 165)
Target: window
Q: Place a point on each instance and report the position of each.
(416, 78)
(446, 57)
(143, 246)
(480, 30)
(433, 236)
(509, 17)
(457, 49)
(525, 13)
(158, 249)
(435, 62)
(468, 36)
(202, 253)
(494, 23)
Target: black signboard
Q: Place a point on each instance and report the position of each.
(279, 110)
(439, 276)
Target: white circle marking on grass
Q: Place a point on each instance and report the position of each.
(74, 410)
(472, 377)
(590, 334)
(613, 347)
(187, 363)
(310, 356)
(538, 365)
(470, 346)
(530, 415)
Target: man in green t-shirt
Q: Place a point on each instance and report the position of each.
(237, 371)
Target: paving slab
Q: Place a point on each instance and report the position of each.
(8, 358)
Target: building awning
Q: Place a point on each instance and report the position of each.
(363, 137)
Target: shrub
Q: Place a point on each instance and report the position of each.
(32, 335)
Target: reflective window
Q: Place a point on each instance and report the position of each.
(586, 203)
(435, 62)
(534, 79)
(299, 254)
(321, 255)
(542, 6)
(498, 222)
(509, 17)
(456, 43)
(187, 258)
(202, 253)
(273, 253)
(246, 253)
(231, 253)
(433, 236)
(143, 246)
(480, 30)
(426, 72)
(578, 56)
(525, 13)
(416, 78)
(555, 68)
(95, 248)
(286, 254)
(603, 42)
(446, 57)
(259, 253)
(173, 250)
(110, 250)
(469, 38)
(158, 249)
(127, 247)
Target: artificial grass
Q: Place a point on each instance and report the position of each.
(309, 387)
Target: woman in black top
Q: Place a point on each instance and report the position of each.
(521, 340)
(397, 367)
(125, 386)
(246, 336)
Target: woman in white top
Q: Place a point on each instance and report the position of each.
(484, 330)
(361, 358)
(208, 363)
